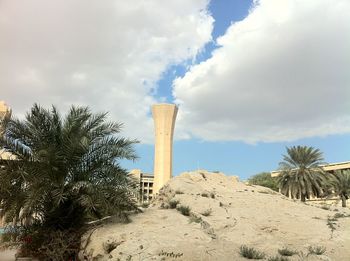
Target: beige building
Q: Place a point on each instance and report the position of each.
(4, 111)
(164, 116)
(331, 167)
(145, 182)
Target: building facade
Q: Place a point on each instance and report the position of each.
(331, 167)
(5, 111)
(145, 183)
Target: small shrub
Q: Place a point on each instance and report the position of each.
(204, 195)
(278, 258)
(164, 205)
(184, 210)
(172, 254)
(195, 219)
(212, 195)
(317, 250)
(221, 204)
(325, 207)
(287, 252)
(145, 205)
(263, 192)
(173, 203)
(108, 247)
(179, 192)
(206, 213)
(250, 252)
(54, 245)
(331, 223)
(339, 215)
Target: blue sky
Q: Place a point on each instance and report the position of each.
(234, 158)
(249, 79)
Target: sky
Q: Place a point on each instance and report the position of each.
(250, 77)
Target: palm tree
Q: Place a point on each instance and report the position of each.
(66, 170)
(301, 175)
(340, 185)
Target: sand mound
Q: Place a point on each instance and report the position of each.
(224, 214)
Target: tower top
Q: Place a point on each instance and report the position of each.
(164, 105)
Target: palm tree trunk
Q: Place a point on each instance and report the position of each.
(343, 201)
(302, 197)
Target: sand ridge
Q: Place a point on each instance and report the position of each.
(225, 214)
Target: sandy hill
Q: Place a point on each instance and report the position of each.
(224, 214)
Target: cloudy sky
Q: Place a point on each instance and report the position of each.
(250, 77)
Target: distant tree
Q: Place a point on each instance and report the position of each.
(340, 185)
(301, 175)
(65, 173)
(264, 179)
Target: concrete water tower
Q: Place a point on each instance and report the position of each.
(164, 116)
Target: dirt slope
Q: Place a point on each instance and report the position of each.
(238, 214)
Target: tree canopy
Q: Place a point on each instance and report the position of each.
(340, 185)
(264, 179)
(301, 174)
(66, 169)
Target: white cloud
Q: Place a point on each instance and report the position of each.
(280, 74)
(105, 54)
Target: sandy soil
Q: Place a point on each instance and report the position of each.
(7, 255)
(238, 214)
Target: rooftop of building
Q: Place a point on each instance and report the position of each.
(327, 167)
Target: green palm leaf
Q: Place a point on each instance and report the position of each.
(301, 175)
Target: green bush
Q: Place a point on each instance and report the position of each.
(317, 250)
(145, 205)
(164, 206)
(204, 194)
(287, 252)
(264, 179)
(251, 253)
(184, 210)
(108, 247)
(331, 223)
(339, 215)
(325, 207)
(173, 203)
(172, 254)
(194, 218)
(207, 212)
(49, 244)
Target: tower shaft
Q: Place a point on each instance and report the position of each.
(164, 116)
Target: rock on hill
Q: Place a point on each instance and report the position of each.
(223, 215)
